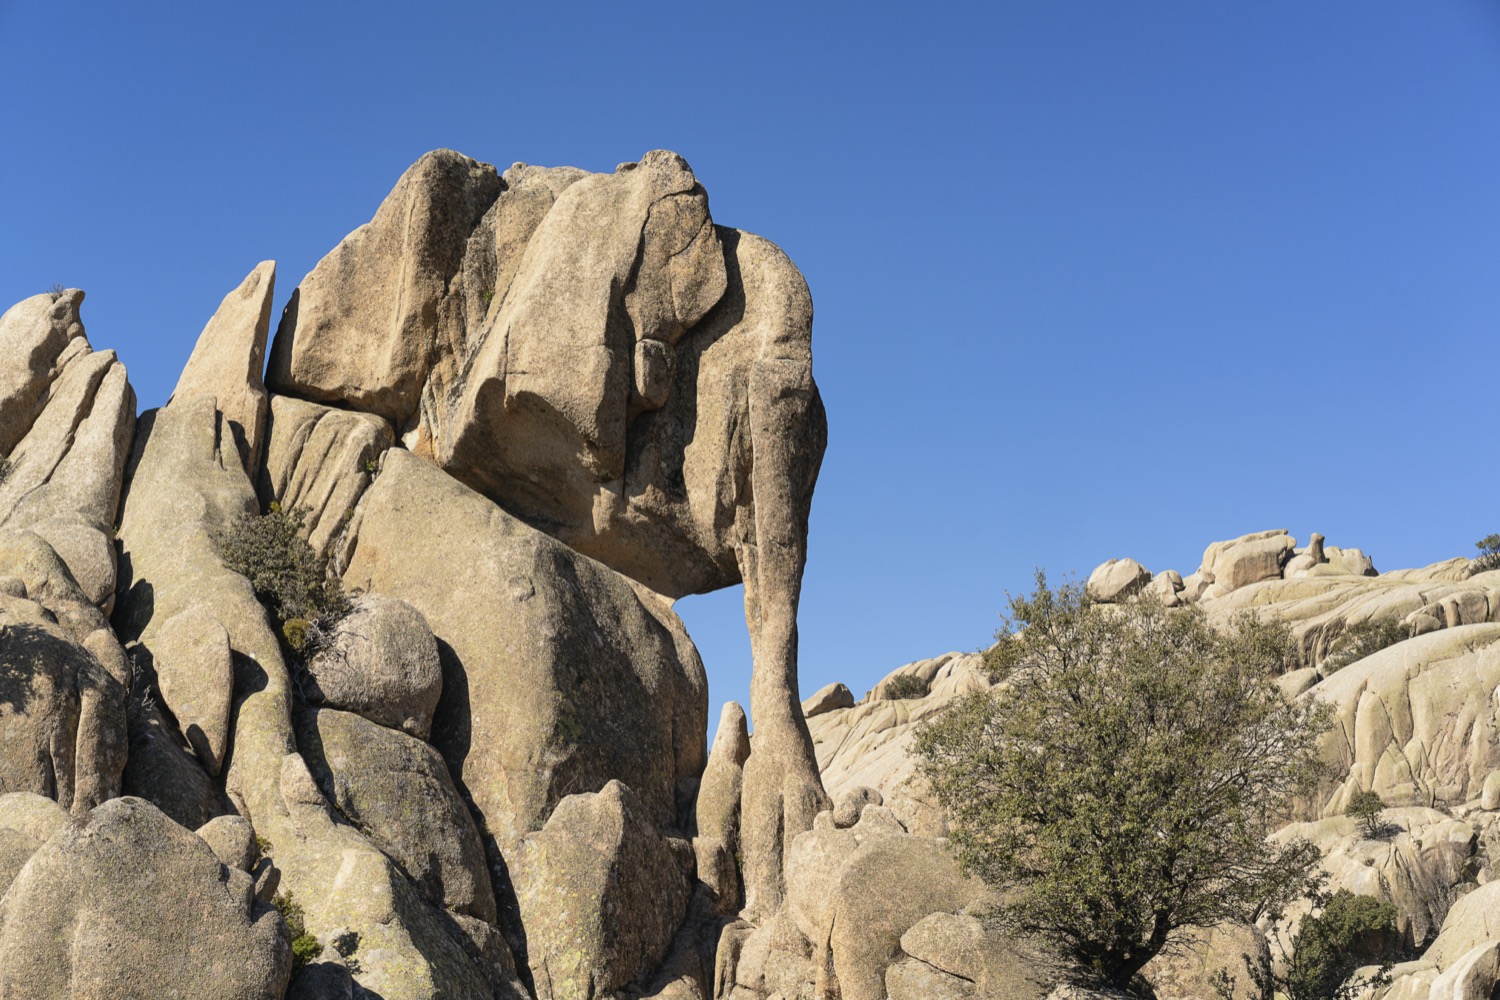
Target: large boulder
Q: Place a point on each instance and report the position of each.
(397, 791)
(955, 955)
(62, 716)
(35, 334)
(130, 905)
(195, 672)
(852, 893)
(381, 661)
(551, 386)
(358, 328)
(1117, 579)
(570, 676)
(1247, 559)
(601, 894)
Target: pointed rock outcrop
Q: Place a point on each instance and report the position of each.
(228, 361)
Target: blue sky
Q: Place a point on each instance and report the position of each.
(1092, 279)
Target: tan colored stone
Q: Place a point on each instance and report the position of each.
(358, 329)
(1248, 559)
(37, 816)
(1117, 579)
(570, 677)
(89, 915)
(228, 359)
(600, 893)
(320, 461)
(397, 790)
(195, 672)
(827, 698)
(718, 810)
(232, 839)
(62, 716)
(33, 336)
(185, 483)
(381, 662)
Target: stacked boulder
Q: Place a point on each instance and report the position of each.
(489, 777)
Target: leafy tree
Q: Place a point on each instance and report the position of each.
(1489, 553)
(1351, 932)
(1369, 808)
(1121, 783)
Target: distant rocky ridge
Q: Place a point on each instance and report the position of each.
(521, 412)
(1416, 722)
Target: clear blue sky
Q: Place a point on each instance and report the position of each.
(1092, 279)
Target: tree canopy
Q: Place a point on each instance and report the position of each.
(1121, 781)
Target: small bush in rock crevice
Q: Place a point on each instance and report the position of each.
(1369, 808)
(1362, 640)
(305, 947)
(905, 686)
(287, 575)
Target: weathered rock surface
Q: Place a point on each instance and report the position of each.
(100, 911)
(358, 327)
(232, 839)
(569, 678)
(851, 895)
(397, 791)
(593, 353)
(868, 745)
(320, 461)
(62, 716)
(1247, 559)
(34, 334)
(1415, 721)
(953, 955)
(1421, 865)
(228, 359)
(1117, 579)
(67, 415)
(381, 662)
(601, 894)
(716, 845)
(828, 698)
(186, 483)
(195, 672)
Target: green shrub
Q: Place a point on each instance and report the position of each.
(904, 686)
(1369, 808)
(1122, 784)
(1352, 932)
(287, 575)
(305, 947)
(1361, 640)
(1489, 553)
